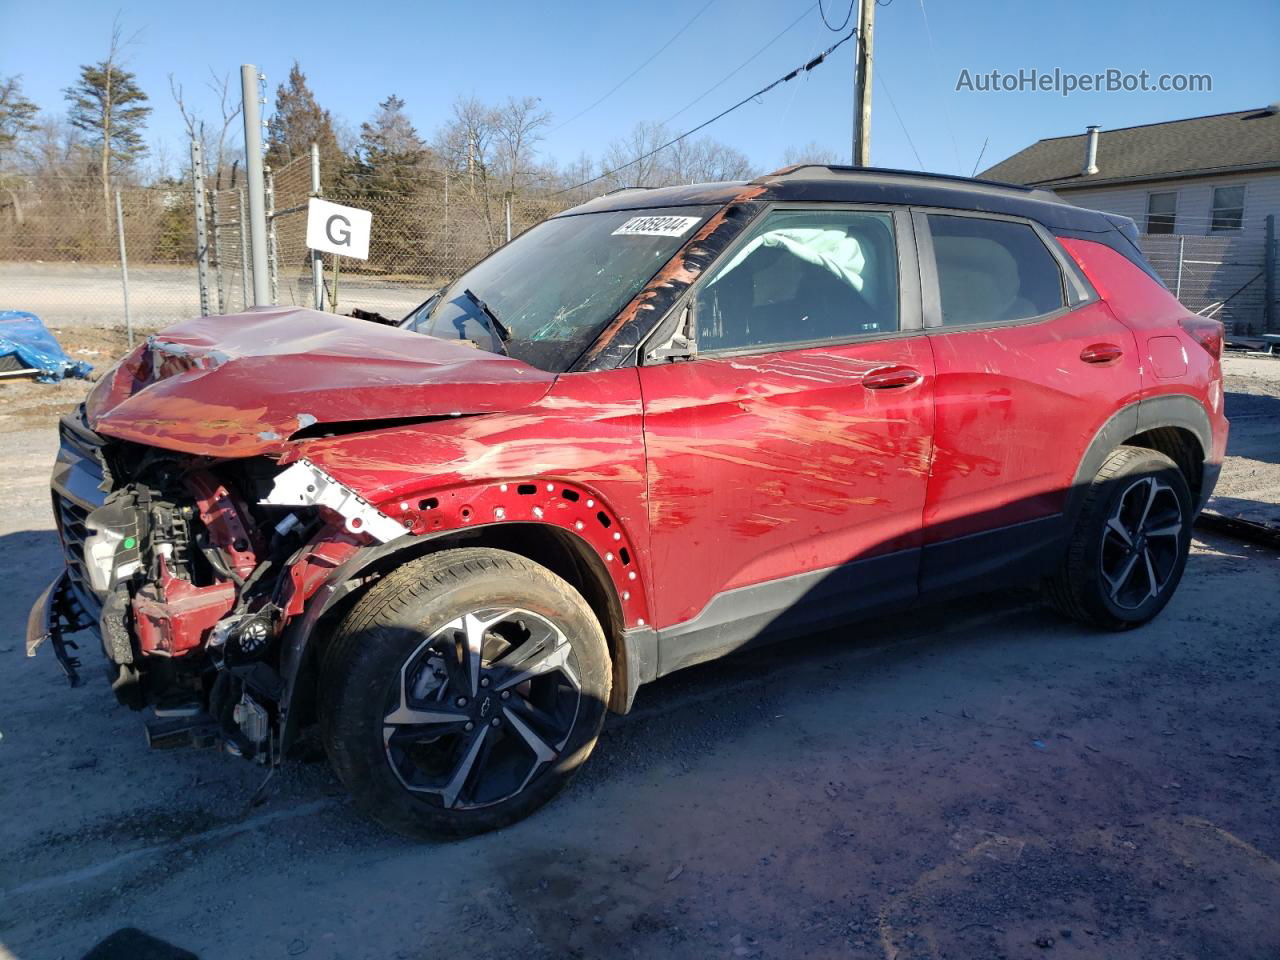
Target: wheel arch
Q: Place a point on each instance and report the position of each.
(556, 546)
(1174, 424)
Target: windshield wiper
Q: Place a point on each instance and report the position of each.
(497, 326)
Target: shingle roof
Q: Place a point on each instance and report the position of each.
(1224, 143)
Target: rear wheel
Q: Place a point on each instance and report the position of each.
(1130, 543)
(462, 692)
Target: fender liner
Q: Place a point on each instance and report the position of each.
(1166, 410)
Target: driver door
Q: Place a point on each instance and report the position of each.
(787, 462)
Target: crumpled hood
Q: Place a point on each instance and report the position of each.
(240, 385)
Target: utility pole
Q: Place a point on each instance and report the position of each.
(862, 106)
(253, 172)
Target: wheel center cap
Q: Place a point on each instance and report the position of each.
(486, 706)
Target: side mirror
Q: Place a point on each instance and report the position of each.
(680, 345)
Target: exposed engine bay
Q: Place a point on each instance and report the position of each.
(189, 569)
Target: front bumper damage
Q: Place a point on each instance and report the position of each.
(196, 578)
(55, 614)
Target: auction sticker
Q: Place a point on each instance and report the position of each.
(656, 227)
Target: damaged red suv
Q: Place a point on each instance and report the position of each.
(649, 431)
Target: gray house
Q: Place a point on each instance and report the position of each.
(1204, 192)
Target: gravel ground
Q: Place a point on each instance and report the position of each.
(974, 780)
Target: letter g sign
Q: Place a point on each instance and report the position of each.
(339, 235)
(335, 228)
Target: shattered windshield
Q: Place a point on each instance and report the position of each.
(554, 288)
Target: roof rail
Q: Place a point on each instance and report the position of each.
(835, 171)
(610, 193)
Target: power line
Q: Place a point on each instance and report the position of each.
(845, 23)
(980, 153)
(810, 65)
(738, 69)
(614, 89)
(933, 64)
(885, 87)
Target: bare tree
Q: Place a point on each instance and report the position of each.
(466, 144)
(213, 144)
(631, 159)
(811, 152)
(641, 160)
(705, 161)
(518, 126)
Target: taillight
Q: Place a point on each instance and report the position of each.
(1208, 333)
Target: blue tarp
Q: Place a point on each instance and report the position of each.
(24, 336)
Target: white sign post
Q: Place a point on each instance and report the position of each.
(333, 228)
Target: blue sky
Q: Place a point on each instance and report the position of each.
(569, 53)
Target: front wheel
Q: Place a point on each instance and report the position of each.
(1130, 543)
(462, 692)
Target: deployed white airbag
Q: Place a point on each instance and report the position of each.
(833, 250)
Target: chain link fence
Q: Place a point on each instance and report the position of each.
(1223, 276)
(60, 253)
(426, 232)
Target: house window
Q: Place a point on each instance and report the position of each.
(1162, 212)
(1228, 209)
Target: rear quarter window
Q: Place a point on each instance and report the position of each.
(992, 271)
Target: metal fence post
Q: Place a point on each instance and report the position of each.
(1269, 276)
(244, 255)
(317, 263)
(124, 269)
(202, 236)
(1177, 289)
(273, 250)
(219, 284)
(253, 172)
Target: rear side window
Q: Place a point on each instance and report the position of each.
(803, 276)
(990, 271)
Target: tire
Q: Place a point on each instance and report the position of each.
(462, 692)
(1129, 545)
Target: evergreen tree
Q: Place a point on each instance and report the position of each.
(109, 106)
(388, 176)
(17, 114)
(298, 122)
(390, 151)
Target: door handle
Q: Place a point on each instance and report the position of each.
(1101, 353)
(891, 377)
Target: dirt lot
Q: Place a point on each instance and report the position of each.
(977, 780)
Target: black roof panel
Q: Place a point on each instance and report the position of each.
(832, 184)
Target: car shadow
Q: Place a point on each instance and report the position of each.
(1255, 426)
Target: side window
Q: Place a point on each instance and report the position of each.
(803, 276)
(992, 270)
